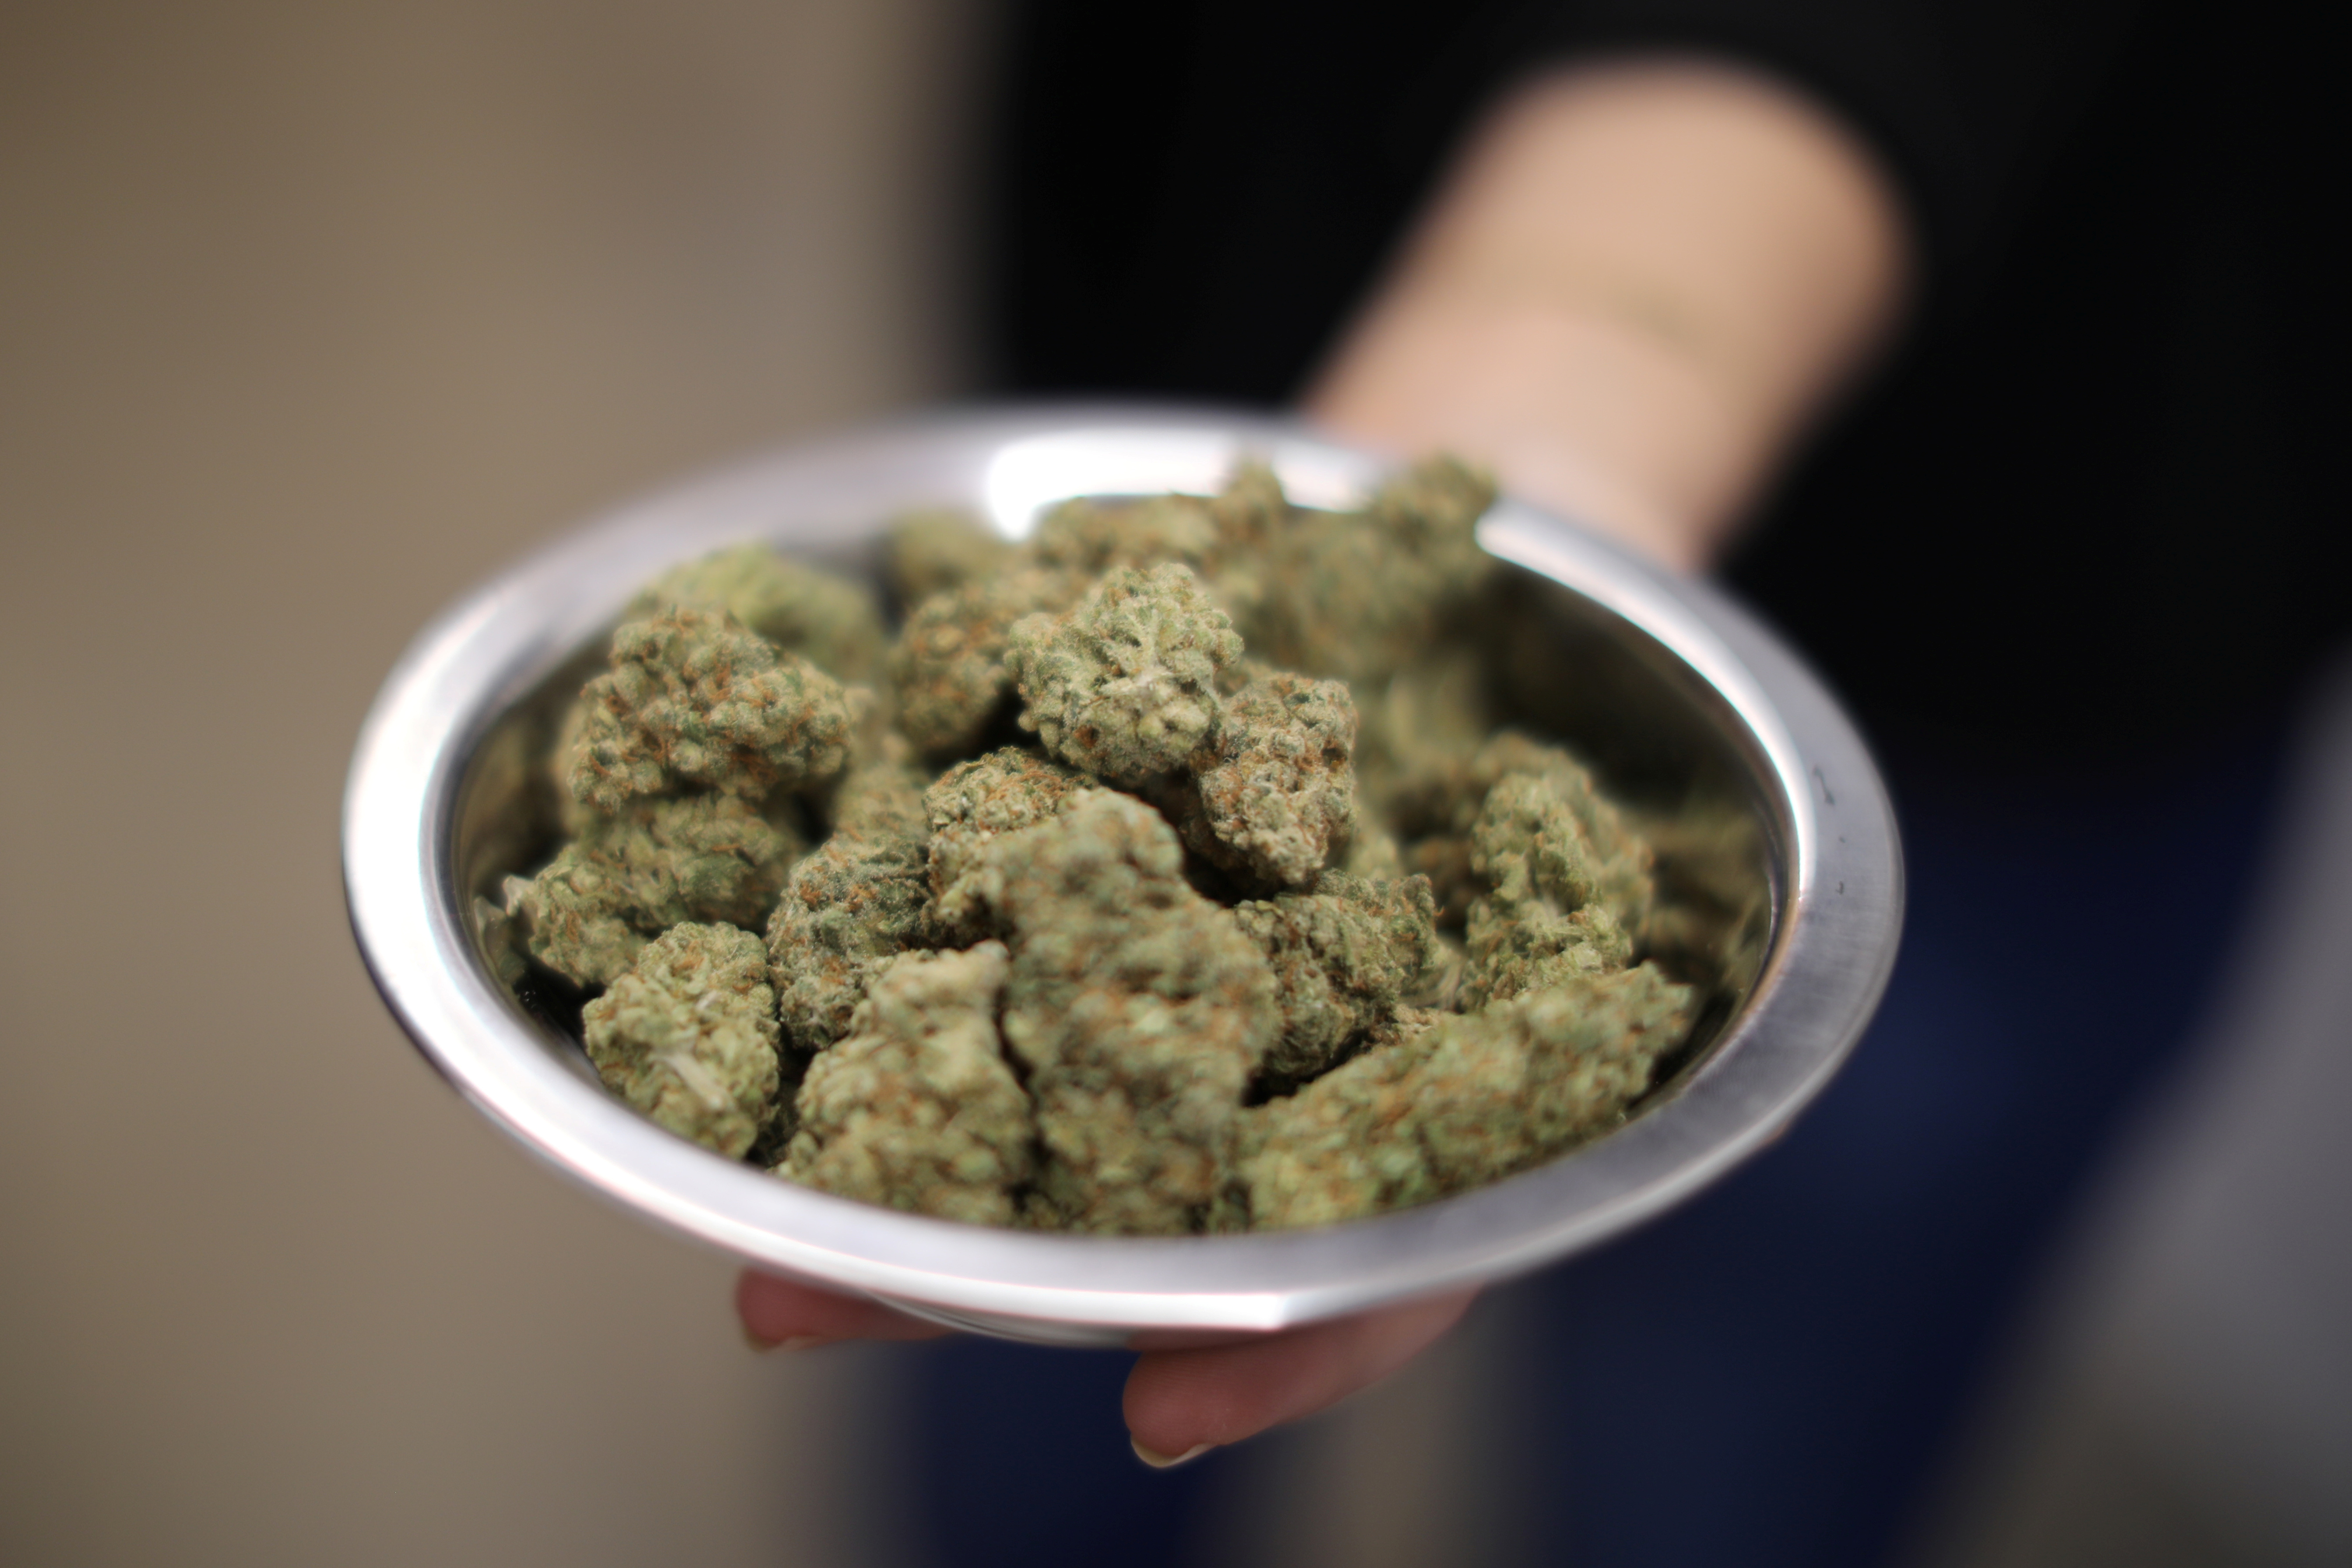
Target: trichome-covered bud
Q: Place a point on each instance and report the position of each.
(1359, 594)
(1124, 685)
(948, 664)
(693, 700)
(1138, 1010)
(1220, 536)
(1435, 810)
(1345, 957)
(916, 1107)
(970, 806)
(931, 551)
(1092, 536)
(853, 902)
(1271, 790)
(1431, 715)
(1713, 913)
(1456, 1100)
(688, 1035)
(1542, 921)
(830, 620)
(630, 877)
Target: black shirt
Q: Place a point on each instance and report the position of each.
(2083, 511)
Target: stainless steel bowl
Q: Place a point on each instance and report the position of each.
(1674, 690)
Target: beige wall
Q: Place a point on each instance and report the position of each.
(309, 315)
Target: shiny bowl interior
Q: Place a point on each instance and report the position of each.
(1682, 702)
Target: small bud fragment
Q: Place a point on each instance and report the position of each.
(1454, 1101)
(1274, 786)
(1345, 957)
(1138, 1010)
(916, 1108)
(688, 1036)
(948, 664)
(932, 552)
(694, 700)
(1543, 923)
(628, 878)
(831, 622)
(972, 804)
(1124, 685)
(1360, 594)
(855, 899)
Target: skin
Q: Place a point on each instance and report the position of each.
(1642, 282)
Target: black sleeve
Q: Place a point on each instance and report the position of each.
(1188, 196)
(1963, 100)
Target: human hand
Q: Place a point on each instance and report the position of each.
(1179, 1403)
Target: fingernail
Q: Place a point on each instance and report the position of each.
(796, 1341)
(1160, 1461)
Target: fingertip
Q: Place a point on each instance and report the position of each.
(1179, 1402)
(1160, 1461)
(780, 1313)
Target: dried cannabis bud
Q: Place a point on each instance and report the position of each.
(1092, 536)
(932, 552)
(1345, 957)
(916, 1108)
(1137, 1008)
(1221, 538)
(1431, 715)
(948, 664)
(1272, 790)
(1124, 686)
(628, 878)
(1543, 922)
(688, 1036)
(1359, 594)
(695, 700)
(855, 899)
(1436, 809)
(829, 620)
(1456, 1101)
(1007, 789)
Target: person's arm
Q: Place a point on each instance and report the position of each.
(1641, 283)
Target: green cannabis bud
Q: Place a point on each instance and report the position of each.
(1358, 595)
(973, 803)
(688, 1035)
(928, 552)
(1437, 808)
(1139, 1011)
(1124, 685)
(916, 1108)
(695, 701)
(628, 878)
(948, 664)
(829, 620)
(853, 902)
(1345, 957)
(1458, 1100)
(1543, 922)
(1274, 789)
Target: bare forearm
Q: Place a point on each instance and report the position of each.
(1641, 281)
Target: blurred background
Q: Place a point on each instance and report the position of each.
(310, 317)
